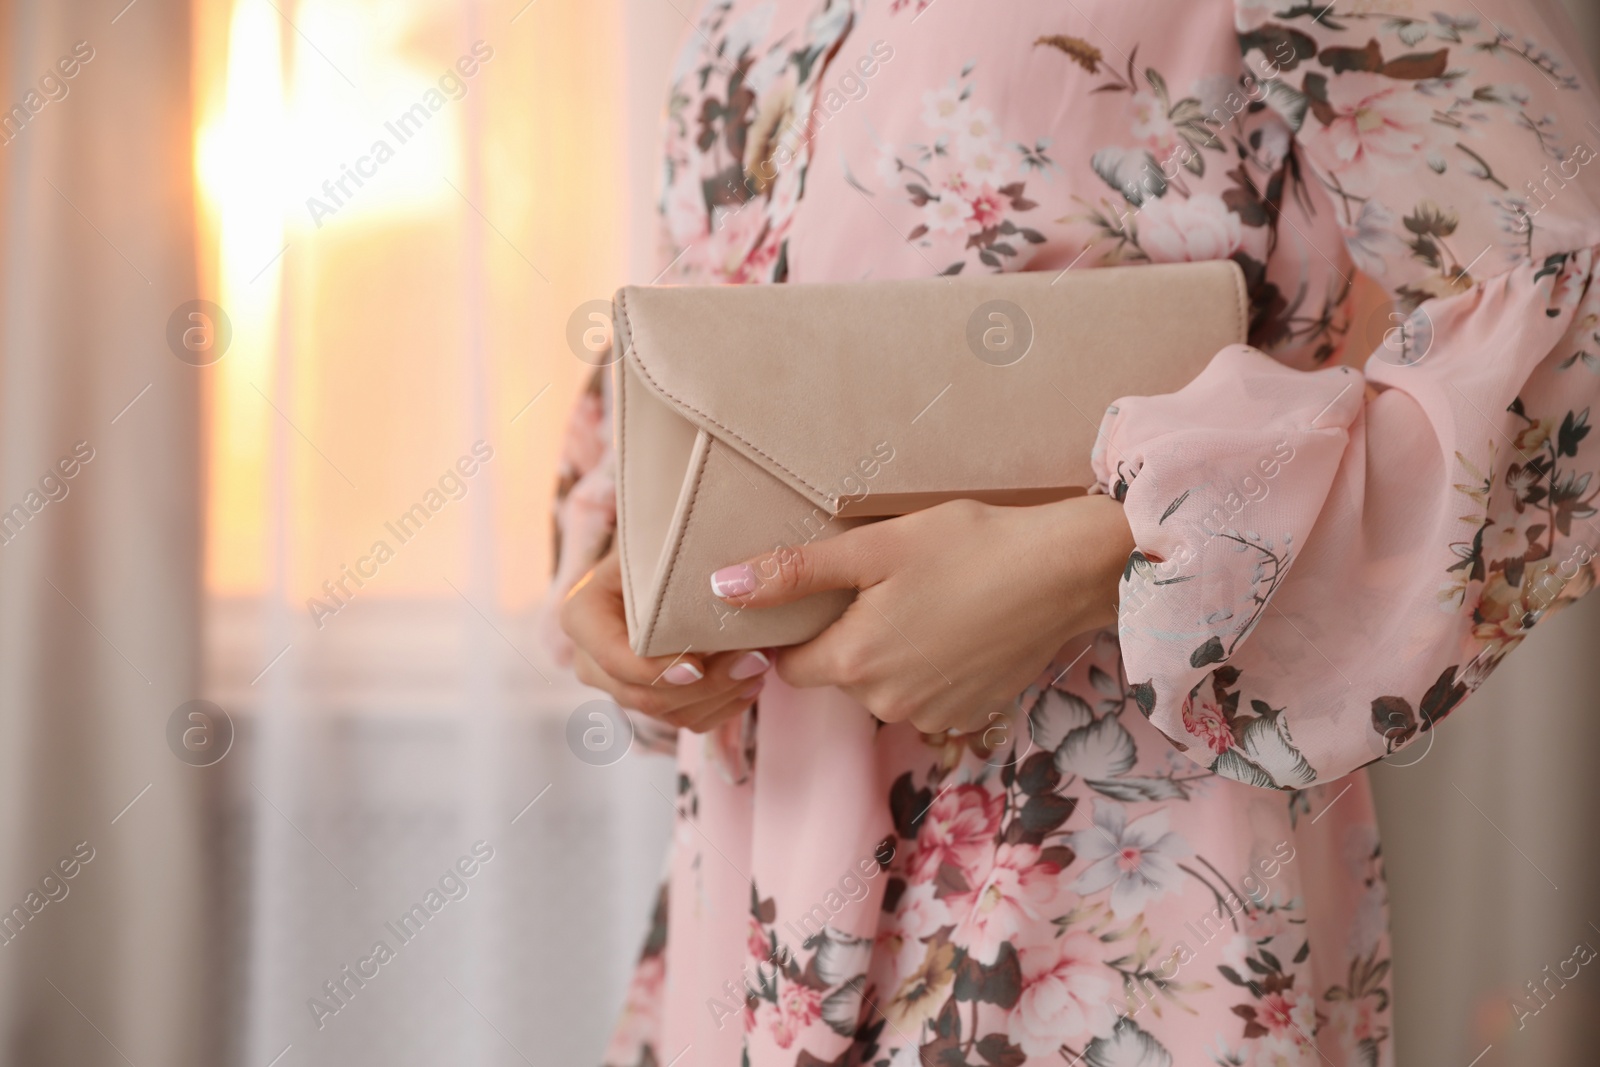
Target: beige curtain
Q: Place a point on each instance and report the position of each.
(98, 588)
(1489, 841)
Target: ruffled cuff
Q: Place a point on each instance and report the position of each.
(1325, 568)
(1222, 483)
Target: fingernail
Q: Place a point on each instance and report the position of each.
(738, 580)
(683, 674)
(753, 689)
(748, 666)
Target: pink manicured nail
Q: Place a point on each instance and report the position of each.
(738, 580)
(753, 689)
(683, 674)
(748, 666)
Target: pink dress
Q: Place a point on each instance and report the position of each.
(1170, 856)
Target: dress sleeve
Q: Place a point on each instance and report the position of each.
(1330, 561)
(584, 513)
(584, 521)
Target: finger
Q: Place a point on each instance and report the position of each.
(740, 666)
(842, 562)
(655, 701)
(730, 711)
(708, 716)
(587, 671)
(593, 618)
(663, 701)
(692, 714)
(830, 658)
(673, 706)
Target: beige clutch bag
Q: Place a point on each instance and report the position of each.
(749, 418)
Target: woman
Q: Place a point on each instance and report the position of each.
(1163, 851)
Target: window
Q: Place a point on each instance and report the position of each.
(398, 224)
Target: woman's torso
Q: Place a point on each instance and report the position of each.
(1020, 912)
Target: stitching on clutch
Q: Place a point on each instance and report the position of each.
(622, 302)
(677, 549)
(621, 416)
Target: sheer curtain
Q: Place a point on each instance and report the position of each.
(101, 890)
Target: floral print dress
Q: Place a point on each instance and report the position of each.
(1167, 855)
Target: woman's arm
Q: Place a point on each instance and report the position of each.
(584, 513)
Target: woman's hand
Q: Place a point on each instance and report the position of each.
(681, 691)
(959, 607)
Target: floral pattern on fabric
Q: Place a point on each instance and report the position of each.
(632, 1042)
(738, 139)
(1006, 935)
(1158, 209)
(1152, 860)
(968, 181)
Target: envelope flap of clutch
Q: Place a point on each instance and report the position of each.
(991, 388)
